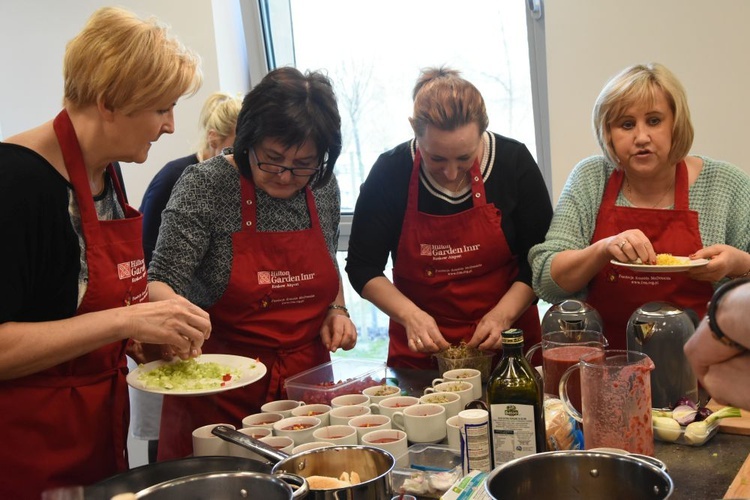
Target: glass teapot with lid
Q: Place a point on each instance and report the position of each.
(660, 330)
(571, 315)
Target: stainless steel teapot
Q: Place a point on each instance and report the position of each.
(571, 315)
(660, 330)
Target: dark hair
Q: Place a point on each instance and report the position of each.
(291, 107)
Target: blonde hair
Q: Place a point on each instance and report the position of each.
(443, 99)
(639, 84)
(219, 114)
(128, 63)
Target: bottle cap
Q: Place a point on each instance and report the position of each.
(512, 336)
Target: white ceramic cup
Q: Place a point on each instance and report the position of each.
(281, 443)
(452, 427)
(206, 444)
(391, 405)
(423, 423)
(261, 420)
(336, 434)
(369, 423)
(283, 406)
(392, 440)
(378, 393)
(463, 389)
(321, 411)
(342, 414)
(312, 445)
(236, 450)
(300, 429)
(351, 400)
(450, 400)
(474, 377)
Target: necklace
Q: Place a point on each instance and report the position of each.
(460, 184)
(655, 205)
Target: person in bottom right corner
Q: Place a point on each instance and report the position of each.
(719, 349)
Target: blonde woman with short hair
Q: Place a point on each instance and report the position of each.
(74, 259)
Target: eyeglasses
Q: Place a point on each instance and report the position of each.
(273, 168)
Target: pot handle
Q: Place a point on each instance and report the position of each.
(252, 444)
(299, 485)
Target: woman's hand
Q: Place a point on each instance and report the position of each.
(630, 245)
(725, 260)
(422, 333)
(488, 334)
(179, 325)
(338, 331)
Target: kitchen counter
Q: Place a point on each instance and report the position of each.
(699, 472)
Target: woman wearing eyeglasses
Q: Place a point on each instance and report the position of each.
(251, 237)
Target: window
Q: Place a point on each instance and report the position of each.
(373, 53)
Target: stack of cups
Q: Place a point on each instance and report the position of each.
(474, 428)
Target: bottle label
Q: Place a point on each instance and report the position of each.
(477, 445)
(513, 431)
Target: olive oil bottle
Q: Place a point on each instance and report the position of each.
(515, 397)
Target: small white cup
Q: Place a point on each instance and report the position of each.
(236, 450)
(463, 389)
(351, 400)
(378, 393)
(391, 405)
(423, 423)
(369, 423)
(474, 377)
(312, 445)
(452, 427)
(320, 411)
(300, 429)
(336, 434)
(392, 440)
(342, 414)
(282, 443)
(283, 406)
(261, 420)
(450, 400)
(206, 444)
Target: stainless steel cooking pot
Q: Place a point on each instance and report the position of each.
(140, 478)
(372, 464)
(569, 475)
(228, 486)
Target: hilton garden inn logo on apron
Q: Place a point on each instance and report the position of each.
(442, 252)
(282, 279)
(135, 270)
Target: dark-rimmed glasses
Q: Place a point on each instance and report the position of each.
(273, 168)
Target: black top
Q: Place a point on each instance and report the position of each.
(512, 181)
(156, 197)
(39, 249)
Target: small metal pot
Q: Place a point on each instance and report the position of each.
(228, 486)
(372, 464)
(570, 475)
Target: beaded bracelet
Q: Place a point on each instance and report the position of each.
(340, 308)
(711, 314)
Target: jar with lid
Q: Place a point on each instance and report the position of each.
(571, 315)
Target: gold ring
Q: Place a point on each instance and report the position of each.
(622, 244)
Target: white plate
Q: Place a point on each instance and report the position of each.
(646, 268)
(250, 371)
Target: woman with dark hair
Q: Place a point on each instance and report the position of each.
(252, 237)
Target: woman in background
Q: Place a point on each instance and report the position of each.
(458, 208)
(77, 258)
(252, 236)
(643, 197)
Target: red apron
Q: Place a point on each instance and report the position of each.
(67, 425)
(273, 308)
(454, 267)
(616, 292)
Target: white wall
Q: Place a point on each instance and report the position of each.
(705, 43)
(33, 34)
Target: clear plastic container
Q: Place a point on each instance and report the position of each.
(426, 470)
(335, 378)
